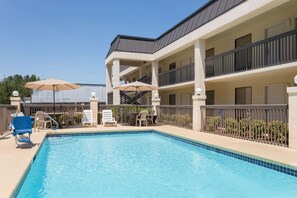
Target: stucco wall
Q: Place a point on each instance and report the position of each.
(225, 91)
(226, 41)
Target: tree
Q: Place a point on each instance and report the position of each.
(15, 83)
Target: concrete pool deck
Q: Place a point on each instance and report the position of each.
(15, 161)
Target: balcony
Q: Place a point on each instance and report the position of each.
(179, 75)
(276, 50)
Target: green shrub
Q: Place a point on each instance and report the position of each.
(258, 128)
(231, 125)
(173, 119)
(212, 123)
(176, 120)
(165, 118)
(244, 127)
(278, 130)
(184, 120)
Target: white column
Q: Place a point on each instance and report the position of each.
(292, 93)
(140, 72)
(198, 101)
(155, 77)
(108, 81)
(116, 81)
(199, 53)
(94, 108)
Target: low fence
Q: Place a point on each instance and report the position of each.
(60, 108)
(261, 123)
(177, 115)
(121, 112)
(5, 116)
(65, 110)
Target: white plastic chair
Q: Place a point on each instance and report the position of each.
(107, 118)
(142, 117)
(88, 118)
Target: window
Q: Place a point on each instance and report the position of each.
(275, 94)
(172, 66)
(185, 99)
(243, 95)
(186, 61)
(275, 30)
(209, 52)
(172, 74)
(172, 100)
(160, 70)
(274, 51)
(243, 41)
(210, 97)
(209, 67)
(243, 59)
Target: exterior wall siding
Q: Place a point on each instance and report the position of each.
(82, 94)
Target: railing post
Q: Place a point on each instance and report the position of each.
(292, 93)
(198, 101)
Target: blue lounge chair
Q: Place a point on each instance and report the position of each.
(22, 125)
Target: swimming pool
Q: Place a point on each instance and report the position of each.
(146, 164)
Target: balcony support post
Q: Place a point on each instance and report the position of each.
(199, 53)
(116, 81)
(108, 81)
(155, 77)
(140, 72)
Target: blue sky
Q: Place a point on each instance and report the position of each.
(69, 39)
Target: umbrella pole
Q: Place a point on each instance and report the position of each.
(54, 99)
(136, 101)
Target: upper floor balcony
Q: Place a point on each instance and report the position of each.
(179, 75)
(276, 50)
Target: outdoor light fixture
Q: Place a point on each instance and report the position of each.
(156, 96)
(93, 94)
(198, 91)
(295, 80)
(15, 94)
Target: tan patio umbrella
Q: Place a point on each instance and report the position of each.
(137, 87)
(51, 84)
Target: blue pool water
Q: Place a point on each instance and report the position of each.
(146, 165)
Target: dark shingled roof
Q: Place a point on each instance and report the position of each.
(203, 15)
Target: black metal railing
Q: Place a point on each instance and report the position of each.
(272, 51)
(178, 75)
(262, 123)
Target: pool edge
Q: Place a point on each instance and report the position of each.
(16, 190)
